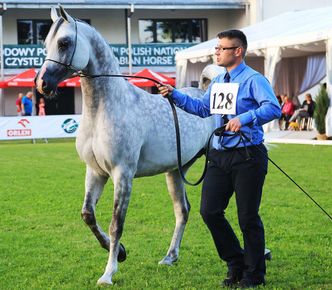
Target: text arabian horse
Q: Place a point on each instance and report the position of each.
(124, 131)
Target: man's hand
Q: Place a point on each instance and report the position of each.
(165, 90)
(233, 125)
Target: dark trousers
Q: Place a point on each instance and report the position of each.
(230, 171)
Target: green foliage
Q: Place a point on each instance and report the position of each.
(44, 244)
(322, 105)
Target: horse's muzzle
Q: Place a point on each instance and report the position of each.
(45, 83)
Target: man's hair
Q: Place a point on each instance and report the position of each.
(235, 34)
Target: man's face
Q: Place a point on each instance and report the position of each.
(228, 58)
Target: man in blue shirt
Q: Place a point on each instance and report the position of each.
(27, 104)
(243, 99)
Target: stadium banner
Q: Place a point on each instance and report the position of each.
(35, 127)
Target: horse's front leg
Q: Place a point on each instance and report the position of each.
(94, 185)
(122, 191)
(181, 210)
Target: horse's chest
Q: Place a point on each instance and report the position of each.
(94, 156)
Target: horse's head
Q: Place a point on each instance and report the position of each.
(67, 52)
(208, 74)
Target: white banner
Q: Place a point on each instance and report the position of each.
(34, 127)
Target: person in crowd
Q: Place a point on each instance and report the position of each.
(287, 111)
(27, 104)
(305, 111)
(282, 97)
(279, 99)
(232, 169)
(18, 104)
(41, 107)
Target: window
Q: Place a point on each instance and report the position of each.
(172, 30)
(34, 31)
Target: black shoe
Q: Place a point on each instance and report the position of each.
(251, 283)
(232, 279)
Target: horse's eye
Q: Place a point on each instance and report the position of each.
(63, 44)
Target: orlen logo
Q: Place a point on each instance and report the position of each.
(23, 122)
(20, 132)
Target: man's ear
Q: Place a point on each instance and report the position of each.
(239, 51)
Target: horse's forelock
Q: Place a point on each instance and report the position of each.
(54, 29)
(57, 26)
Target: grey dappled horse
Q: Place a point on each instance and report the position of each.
(124, 132)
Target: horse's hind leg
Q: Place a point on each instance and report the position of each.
(94, 185)
(181, 210)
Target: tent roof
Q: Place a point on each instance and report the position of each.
(303, 31)
(152, 75)
(26, 79)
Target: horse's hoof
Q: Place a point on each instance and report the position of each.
(167, 261)
(106, 279)
(268, 255)
(122, 256)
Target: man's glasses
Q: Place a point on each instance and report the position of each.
(219, 48)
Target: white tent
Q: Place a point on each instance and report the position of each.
(293, 50)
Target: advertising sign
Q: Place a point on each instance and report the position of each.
(35, 127)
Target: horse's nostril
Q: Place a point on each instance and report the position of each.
(45, 87)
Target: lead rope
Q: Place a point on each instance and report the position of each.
(219, 131)
(243, 136)
(177, 129)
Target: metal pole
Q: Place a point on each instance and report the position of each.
(2, 100)
(130, 60)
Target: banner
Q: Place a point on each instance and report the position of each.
(149, 55)
(143, 55)
(35, 127)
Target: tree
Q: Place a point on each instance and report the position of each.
(322, 105)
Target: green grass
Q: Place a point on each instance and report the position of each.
(44, 244)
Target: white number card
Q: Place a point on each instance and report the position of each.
(223, 98)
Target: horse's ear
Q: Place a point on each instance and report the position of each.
(54, 14)
(65, 15)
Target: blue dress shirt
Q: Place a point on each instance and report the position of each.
(256, 105)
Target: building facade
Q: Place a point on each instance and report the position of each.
(154, 30)
(149, 31)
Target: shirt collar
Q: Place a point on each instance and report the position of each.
(236, 71)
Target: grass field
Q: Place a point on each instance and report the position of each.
(44, 244)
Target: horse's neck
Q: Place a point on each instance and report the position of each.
(102, 59)
(99, 92)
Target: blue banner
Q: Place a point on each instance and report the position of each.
(143, 55)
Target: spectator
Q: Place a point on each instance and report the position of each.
(41, 107)
(279, 100)
(27, 104)
(306, 110)
(287, 111)
(18, 104)
(282, 97)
